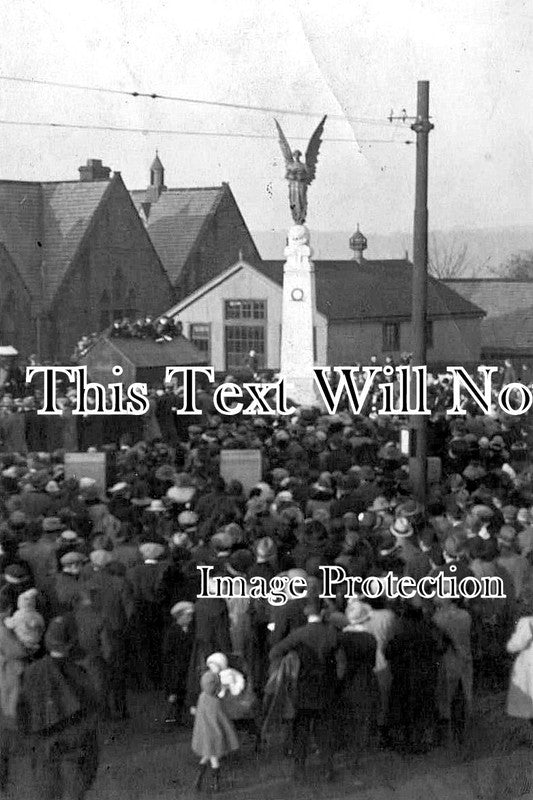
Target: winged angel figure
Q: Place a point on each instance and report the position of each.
(299, 174)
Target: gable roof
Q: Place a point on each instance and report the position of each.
(374, 290)
(175, 221)
(509, 308)
(42, 225)
(149, 353)
(68, 208)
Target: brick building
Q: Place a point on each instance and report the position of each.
(73, 255)
(197, 232)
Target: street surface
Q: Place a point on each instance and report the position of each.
(147, 760)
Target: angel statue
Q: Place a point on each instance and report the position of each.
(300, 175)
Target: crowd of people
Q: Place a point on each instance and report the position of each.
(99, 583)
(162, 329)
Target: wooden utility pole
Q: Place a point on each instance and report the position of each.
(422, 126)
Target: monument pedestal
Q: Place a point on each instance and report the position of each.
(298, 319)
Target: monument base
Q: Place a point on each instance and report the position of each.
(301, 389)
(298, 320)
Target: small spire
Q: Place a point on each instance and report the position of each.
(358, 243)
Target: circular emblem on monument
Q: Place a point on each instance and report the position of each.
(297, 294)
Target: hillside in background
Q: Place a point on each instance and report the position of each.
(487, 249)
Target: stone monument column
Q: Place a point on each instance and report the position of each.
(298, 319)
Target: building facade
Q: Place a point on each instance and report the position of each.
(507, 329)
(197, 232)
(75, 256)
(363, 311)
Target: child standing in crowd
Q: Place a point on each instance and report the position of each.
(213, 734)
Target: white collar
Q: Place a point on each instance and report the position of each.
(314, 618)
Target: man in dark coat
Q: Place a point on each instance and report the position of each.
(414, 655)
(150, 593)
(211, 636)
(317, 646)
(115, 599)
(58, 712)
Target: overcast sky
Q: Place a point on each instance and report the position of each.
(350, 58)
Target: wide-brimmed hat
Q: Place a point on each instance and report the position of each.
(151, 551)
(100, 558)
(409, 508)
(72, 557)
(181, 607)
(401, 528)
(156, 506)
(180, 494)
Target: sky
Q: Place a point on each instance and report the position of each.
(347, 58)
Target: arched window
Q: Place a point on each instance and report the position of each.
(131, 305)
(118, 286)
(8, 317)
(104, 309)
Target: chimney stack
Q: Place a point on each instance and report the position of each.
(94, 171)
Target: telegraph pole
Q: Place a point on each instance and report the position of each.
(422, 126)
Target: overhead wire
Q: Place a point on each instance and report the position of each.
(176, 132)
(195, 101)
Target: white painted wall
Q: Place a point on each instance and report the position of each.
(241, 282)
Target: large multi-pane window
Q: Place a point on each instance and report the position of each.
(200, 336)
(245, 330)
(244, 309)
(240, 340)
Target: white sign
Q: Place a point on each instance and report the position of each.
(86, 465)
(241, 465)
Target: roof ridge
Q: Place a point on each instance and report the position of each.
(187, 189)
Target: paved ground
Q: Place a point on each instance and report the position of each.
(147, 761)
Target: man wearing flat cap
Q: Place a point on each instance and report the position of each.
(65, 587)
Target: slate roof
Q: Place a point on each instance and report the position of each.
(509, 307)
(175, 221)
(149, 353)
(68, 208)
(42, 225)
(374, 290)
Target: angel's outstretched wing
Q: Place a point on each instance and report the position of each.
(311, 154)
(285, 146)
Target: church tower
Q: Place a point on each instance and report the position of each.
(157, 180)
